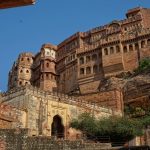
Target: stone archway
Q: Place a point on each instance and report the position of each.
(57, 127)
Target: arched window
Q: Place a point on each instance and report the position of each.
(81, 71)
(117, 49)
(51, 76)
(105, 51)
(28, 59)
(81, 60)
(94, 57)
(148, 42)
(20, 83)
(27, 71)
(26, 83)
(142, 44)
(21, 71)
(47, 76)
(136, 46)
(111, 50)
(95, 69)
(130, 47)
(125, 49)
(88, 58)
(41, 76)
(47, 65)
(22, 59)
(88, 70)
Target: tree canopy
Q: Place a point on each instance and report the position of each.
(118, 129)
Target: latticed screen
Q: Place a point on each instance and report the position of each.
(15, 3)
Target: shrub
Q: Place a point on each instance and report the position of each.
(143, 65)
(117, 128)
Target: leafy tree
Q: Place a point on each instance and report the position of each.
(143, 65)
(117, 128)
(145, 121)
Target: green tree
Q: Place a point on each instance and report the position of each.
(143, 65)
(119, 129)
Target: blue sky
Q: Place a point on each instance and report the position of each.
(25, 29)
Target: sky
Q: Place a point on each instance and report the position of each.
(25, 29)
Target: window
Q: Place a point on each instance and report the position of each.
(117, 49)
(95, 69)
(106, 51)
(94, 57)
(22, 59)
(27, 71)
(21, 71)
(125, 29)
(47, 65)
(125, 49)
(28, 59)
(20, 83)
(111, 50)
(26, 83)
(81, 71)
(47, 76)
(81, 60)
(130, 47)
(51, 76)
(142, 44)
(148, 42)
(136, 46)
(41, 77)
(88, 70)
(88, 58)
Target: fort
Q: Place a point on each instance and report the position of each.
(48, 89)
(79, 63)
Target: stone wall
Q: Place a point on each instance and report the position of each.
(18, 140)
(41, 107)
(112, 99)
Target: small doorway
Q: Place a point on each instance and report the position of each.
(57, 127)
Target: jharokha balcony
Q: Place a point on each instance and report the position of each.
(15, 3)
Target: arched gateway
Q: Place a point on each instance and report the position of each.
(57, 127)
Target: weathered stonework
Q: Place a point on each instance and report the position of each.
(41, 108)
(79, 63)
(18, 140)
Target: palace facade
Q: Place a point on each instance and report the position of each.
(79, 63)
(47, 90)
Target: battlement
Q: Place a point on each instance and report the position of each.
(26, 54)
(49, 45)
(135, 34)
(134, 10)
(59, 97)
(72, 37)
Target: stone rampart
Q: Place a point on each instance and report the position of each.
(28, 89)
(18, 140)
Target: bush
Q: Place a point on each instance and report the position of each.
(143, 65)
(117, 128)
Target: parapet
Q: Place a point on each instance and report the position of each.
(27, 54)
(49, 45)
(60, 97)
(134, 10)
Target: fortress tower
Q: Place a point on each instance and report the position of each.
(44, 74)
(21, 71)
(79, 63)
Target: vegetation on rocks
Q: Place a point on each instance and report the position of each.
(144, 66)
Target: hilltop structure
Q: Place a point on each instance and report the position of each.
(79, 63)
(41, 86)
